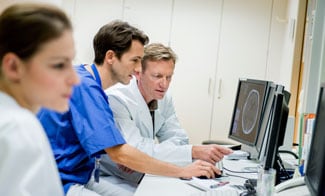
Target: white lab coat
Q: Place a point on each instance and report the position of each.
(133, 118)
(27, 166)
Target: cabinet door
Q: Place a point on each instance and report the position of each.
(243, 53)
(87, 19)
(153, 17)
(195, 38)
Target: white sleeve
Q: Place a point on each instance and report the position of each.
(173, 146)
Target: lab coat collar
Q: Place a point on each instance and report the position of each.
(143, 108)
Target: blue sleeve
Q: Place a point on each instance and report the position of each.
(92, 119)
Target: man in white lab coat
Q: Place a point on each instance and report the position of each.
(145, 114)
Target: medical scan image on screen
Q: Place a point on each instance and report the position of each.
(248, 110)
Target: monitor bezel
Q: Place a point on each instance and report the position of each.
(276, 131)
(317, 133)
(266, 85)
(261, 140)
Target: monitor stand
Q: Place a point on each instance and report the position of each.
(251, 150)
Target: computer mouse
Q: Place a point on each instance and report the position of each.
(252, 181)
(215, 174)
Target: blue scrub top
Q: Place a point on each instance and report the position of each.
(81, 133)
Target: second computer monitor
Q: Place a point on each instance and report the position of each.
(273, 138)
(249, 107)
(315, 172)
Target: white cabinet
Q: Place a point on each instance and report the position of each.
(195, 39)
(257, 41)
(87, 17)
(243, 52)
(153, 17)
(217, 41)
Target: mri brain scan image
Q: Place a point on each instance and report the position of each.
(250, 111)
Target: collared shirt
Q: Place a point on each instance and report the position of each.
(83, 132)
(27, 166)
(133, 118)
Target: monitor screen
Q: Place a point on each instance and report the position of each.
(315, 171)
(248, 110)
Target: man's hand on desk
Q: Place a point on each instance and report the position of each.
(200, 168)
(211, 153)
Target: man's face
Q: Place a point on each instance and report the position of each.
(122, 69)
(153, 82)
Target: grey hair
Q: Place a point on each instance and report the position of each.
(156, 52)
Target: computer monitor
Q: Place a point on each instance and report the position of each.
(249, 107)
(315, 171)
(275, 133)
(265, 124)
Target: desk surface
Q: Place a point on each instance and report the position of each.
(162, 186)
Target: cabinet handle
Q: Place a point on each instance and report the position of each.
(209, 86)
(219, 89)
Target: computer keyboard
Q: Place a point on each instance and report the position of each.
(224, 191)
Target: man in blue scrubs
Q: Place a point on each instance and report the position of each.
(79, 136)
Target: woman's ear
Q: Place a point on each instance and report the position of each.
(11, 67)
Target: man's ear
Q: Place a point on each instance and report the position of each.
(11, 67)
(109, 57)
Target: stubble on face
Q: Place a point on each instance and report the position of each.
(123, 69)
(153, 82)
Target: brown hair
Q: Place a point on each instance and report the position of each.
(25, 27)
(116, 36)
